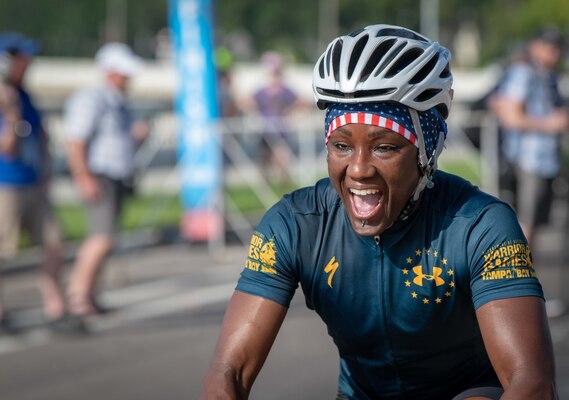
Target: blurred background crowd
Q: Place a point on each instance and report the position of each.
(257, 46)
(72, 68)
(270, 134)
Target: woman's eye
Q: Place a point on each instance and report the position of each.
(385, 148)
(341, 146)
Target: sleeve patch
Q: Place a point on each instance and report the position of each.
(262, 255)
(508, 260)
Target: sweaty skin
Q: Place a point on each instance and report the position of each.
(375, 172)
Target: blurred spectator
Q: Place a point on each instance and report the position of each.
(226, 101)
(24, 176)
(274, 102)
(532, 118)
(102, 139)
(163, 45)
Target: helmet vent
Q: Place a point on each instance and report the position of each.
(399, 32)
(358, 48)
(375, 58)
(393, 53)
(361, 94)
(327, 61)
(356, 32)
(427, 95)
(425, 71)
(373, 93)
(336, 56)
(321, 68)
(446, 72)
(403, 61)
(443, 110)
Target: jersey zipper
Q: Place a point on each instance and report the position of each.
(383, 277)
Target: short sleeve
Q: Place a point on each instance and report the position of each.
(81, 114)
(269, 269)
(500, 259)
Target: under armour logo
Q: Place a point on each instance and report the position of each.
(436, 276)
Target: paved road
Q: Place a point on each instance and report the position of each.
(157, 344)
(170, 301)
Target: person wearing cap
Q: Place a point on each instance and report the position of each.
(102, 138)
(424, 282)
(533, 116)
(24, 174)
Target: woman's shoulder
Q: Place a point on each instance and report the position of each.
(312, 199)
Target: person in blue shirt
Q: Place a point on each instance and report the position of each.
(425, 283)
(24, 180)
(534, 118)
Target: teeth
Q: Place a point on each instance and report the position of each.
(364, 191)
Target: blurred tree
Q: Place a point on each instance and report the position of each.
(506, 23)
(287, 26)
(249, 27)
(79, 27)
(62, 27)
(501, 23)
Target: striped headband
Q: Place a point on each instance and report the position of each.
(389, 115)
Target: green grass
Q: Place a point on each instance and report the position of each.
(246, 199)
(138, 212)
(468, 170)
(155, 211)
(72, 220)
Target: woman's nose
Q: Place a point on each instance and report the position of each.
(360, 165)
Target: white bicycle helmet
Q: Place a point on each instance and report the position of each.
(384, 63)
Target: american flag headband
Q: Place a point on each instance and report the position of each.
(428, 166)
(370, 119)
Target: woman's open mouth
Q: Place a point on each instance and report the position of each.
(365, 202)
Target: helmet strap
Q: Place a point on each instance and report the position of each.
(427, 165)
(423, 159)
(424, 162)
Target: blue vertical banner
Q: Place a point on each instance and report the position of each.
(197, 111)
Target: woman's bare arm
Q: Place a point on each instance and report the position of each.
(249, 329)
(518, 342)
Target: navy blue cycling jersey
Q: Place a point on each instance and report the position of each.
(401, 307)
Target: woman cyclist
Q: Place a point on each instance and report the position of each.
(425, 283)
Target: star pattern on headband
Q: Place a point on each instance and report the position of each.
(431, 121)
